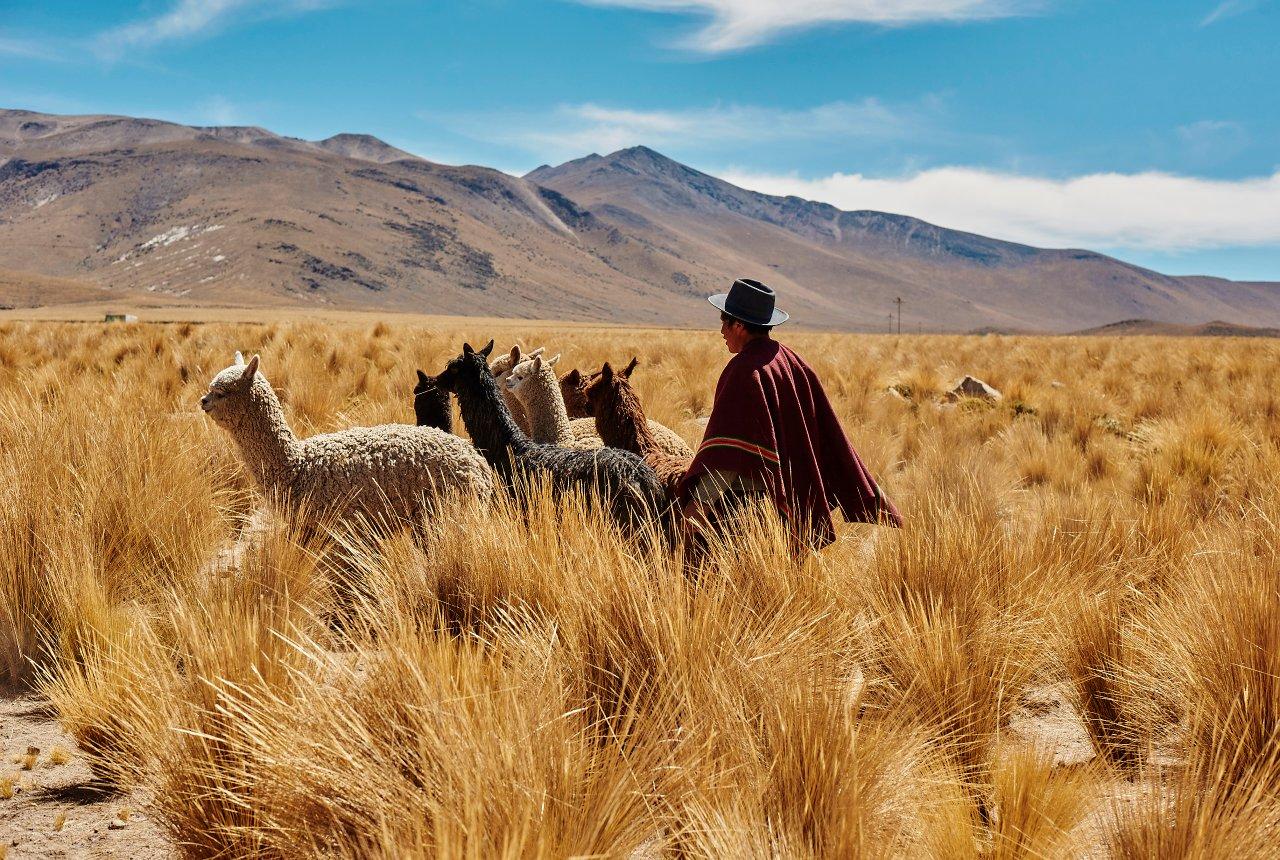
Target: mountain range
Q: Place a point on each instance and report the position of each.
(144, 212)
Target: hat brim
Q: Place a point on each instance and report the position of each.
(778, 318)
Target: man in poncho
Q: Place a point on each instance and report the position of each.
(773, 434)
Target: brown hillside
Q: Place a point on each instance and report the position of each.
(849, 266)
(1216, 328)
(239, 216)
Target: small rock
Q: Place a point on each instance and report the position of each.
(1057, 384)
(117, 824)
(972, 387)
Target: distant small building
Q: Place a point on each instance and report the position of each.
(121, 318)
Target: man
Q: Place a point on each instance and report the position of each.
(773, 433)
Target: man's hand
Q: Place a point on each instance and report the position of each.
(695, 521)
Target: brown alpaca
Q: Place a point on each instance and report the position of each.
(573, 385)
(621, 424)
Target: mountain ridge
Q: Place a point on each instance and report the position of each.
(241, 215)
(997, 280)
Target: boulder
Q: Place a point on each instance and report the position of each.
(973, 387)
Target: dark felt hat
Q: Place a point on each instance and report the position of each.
(750, 301)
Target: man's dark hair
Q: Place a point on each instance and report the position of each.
(752, 328)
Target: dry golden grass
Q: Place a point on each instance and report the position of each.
(515, 683)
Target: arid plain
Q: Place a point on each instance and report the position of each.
(1071, 649)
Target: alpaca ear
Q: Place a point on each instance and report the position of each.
(537, 363)
(250, 370)
(239, 362)
(423, 379)
(537, 351)
(606, 372)
(466, 349)
(488, 349)
(626, 374)
(573, 377)
(551, 362)
(515, 355)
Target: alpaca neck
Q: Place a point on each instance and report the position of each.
(267, 444)
(516, 408)
(544, 406)
(488, 422)
(621, 423)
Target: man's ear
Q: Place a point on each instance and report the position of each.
(423, 379)
(626, 374)
(606, 372)
(488, 349)
(250, 369)
(239, 361)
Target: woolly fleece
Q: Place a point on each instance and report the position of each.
(501, 368)
(384, 473)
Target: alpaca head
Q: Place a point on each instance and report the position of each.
(526, 371)
(582, 386)
(603, 389)
(466, 371)
(426, 387)
(229, 391)
(431, 404)
(573, 388)
(502, 365)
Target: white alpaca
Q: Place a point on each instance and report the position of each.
(387, 473)
(535, 384)
(501, 368)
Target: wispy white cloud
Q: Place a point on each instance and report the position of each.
(188, 19)
(1118, 211)
(28, 48)
(737, 24)
(1211, 140)
(1230, 9)
(572, 130)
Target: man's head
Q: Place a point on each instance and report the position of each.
(747, 312)
(738, 334)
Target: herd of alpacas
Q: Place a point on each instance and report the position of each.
(583, 432)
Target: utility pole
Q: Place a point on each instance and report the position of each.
(890, 322)
(898, 302)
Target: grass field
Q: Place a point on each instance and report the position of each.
(1072, 649)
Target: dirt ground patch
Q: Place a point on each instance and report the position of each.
(94, 825)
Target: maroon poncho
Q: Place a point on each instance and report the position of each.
(772, 420)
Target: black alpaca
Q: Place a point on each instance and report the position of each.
(619, 480)
(431, 406)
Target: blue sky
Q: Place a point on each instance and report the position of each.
(1149, 129)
